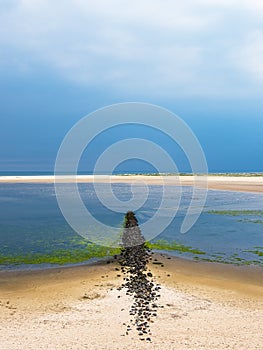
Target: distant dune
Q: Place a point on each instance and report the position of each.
(241, 182)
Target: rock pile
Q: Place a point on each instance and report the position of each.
(138, 279)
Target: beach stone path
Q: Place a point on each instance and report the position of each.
(138, 279)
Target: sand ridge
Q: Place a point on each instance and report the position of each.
(226, 183)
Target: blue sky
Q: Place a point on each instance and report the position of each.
(202, 59)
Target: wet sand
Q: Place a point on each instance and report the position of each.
(226, 183)
(206, 306)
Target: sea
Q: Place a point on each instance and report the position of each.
(229, 229)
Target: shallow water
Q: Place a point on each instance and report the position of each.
(31, 221)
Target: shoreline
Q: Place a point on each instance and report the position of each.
(207, 272)
(220, 182)
(18, 269)
(204, 306)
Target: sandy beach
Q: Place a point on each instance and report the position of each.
(214, 182)
(205, 306)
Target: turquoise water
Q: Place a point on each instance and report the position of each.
(230, 228)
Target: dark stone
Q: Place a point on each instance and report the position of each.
(133, 259)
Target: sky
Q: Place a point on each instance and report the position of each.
(201, 59)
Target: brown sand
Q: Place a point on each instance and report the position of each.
(227, 183)
(206, 306)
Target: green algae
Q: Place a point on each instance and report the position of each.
(232, 259)
(251, 221)
(257, 251)
(84, 251)
(174, 246)
(236, 212)
(239, 261)
(60, 256)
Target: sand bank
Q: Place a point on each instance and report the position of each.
(227, 183)
(206, 306)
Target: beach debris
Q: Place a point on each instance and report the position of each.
(139, 281)
(91, 296)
